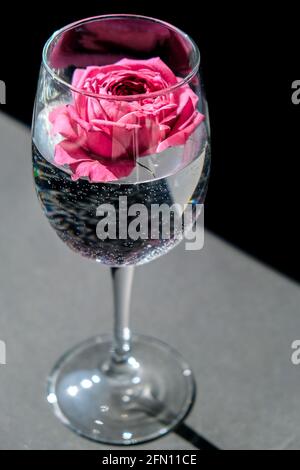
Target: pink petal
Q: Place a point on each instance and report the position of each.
(57, 111)
(62, 124)
(67, 153)
(155, 64)
(100, 123)
(105, 145)
(180, 137)
(98, 172)
(81, 75)
(77, 77)
(77, 118)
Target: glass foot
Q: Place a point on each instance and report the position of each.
(121, 403)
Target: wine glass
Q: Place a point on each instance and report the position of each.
(120, 128)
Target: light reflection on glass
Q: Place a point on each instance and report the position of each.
(96, 379)
(163, 431)
(51, 398)
(72, 390)
(133, 362)
(136, 380)
(86, 383)
(104, 408)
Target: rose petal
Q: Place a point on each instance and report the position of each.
(63, 125)
(77, 77)
(105, 144)
(67, 153)
(56, 112)
(179, 138)
(155, 64)
(99, 172)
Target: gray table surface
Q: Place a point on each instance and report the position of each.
(232, 318)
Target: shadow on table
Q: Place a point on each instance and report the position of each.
(187, 433)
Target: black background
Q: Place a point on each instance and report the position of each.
(249, 59)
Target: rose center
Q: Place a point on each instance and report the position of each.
(129, 86)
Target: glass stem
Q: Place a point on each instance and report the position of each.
(122, 282)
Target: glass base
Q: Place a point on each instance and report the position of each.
(121, 403)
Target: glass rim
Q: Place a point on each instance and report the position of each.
(68, 27)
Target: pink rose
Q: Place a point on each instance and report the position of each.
(102, 138)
